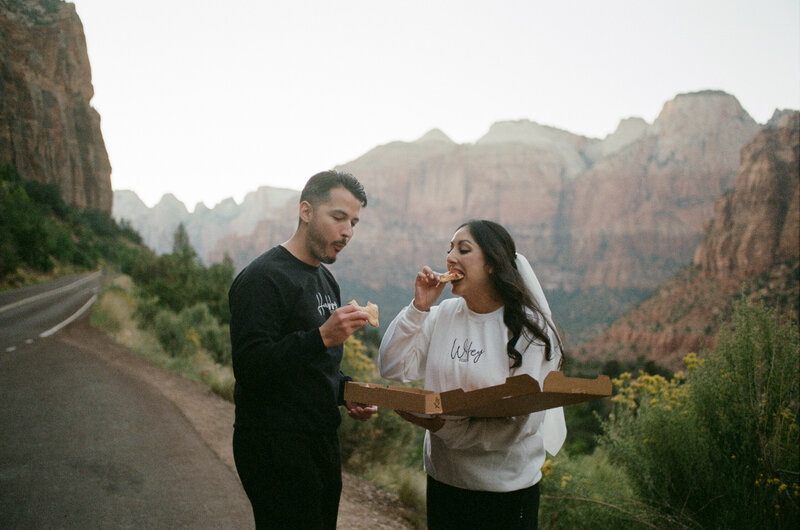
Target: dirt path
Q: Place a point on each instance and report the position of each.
(363, 504)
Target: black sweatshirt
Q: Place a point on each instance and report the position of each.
(285, 377)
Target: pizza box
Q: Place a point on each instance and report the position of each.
(519, 395)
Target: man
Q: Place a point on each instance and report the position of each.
(287, 331)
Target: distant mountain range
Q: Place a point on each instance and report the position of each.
(604, 221)
(205, 226)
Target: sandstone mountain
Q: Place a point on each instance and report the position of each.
(205, 226)
(603, 221)
(48, 128)
(750, 247)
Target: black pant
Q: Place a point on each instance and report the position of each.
(293, 480)
(456, 508)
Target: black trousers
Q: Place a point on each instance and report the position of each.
(293, 480)
(455, 508)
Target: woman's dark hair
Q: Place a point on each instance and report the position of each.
(500, 253)
(318, 188)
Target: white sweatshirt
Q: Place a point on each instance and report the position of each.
(453, 347)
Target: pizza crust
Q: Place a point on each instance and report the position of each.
(370, 309)
(450, 276)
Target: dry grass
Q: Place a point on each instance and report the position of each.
(113, 313)
(408, 484)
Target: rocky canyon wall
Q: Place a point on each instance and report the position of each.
(620, 213)
(750, 247)
(48, 128)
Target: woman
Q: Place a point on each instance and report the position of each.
(482, 473)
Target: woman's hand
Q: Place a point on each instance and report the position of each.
(427, 289)
(432, 424)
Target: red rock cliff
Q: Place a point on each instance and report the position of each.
(750, 246)
(48, 128)
(757, 225)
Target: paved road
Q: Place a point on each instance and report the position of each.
(84, 444)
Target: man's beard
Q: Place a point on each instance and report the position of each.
(317, 245)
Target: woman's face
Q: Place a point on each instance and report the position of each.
(466, 257)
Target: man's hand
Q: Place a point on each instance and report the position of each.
(432, 424)
(360, 411)
(341, 324)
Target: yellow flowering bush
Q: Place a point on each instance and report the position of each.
(717, 446)
(588, 491)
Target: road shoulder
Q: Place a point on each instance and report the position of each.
(363, 504)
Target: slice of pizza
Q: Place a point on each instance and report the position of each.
(450, 275)
(370, 309)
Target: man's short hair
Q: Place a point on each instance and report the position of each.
(318, 188)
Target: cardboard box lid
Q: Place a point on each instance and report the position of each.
(519, 395)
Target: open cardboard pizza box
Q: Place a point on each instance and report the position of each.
(519, 395)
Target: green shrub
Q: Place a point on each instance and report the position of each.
(146, 310)
(192, 330)
(40, 232)
(746, 397)
(178, 280)
(172, 333)
(588, 491)
(718, 449)
(212, 336)
(47, 195)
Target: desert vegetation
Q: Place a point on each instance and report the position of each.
(41, 236)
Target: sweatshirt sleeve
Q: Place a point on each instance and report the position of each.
(404, 347)
(259, 352)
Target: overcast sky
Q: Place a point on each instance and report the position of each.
(210, 100)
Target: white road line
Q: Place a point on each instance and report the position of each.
(10, 349)
(28, 341)
(77, 313)
(50, 293)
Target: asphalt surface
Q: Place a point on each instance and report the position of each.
(84, 444)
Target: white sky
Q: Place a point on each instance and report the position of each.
(210, 100)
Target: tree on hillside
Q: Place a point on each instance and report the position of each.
(179, 280)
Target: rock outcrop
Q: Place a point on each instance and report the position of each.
(637, 215)
(48, 128)
(756, 226)
(750, 247)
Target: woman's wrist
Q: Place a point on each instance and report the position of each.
(415, 303)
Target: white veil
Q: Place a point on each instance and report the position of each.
(553, 428)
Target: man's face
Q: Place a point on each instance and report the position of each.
(331, 225)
